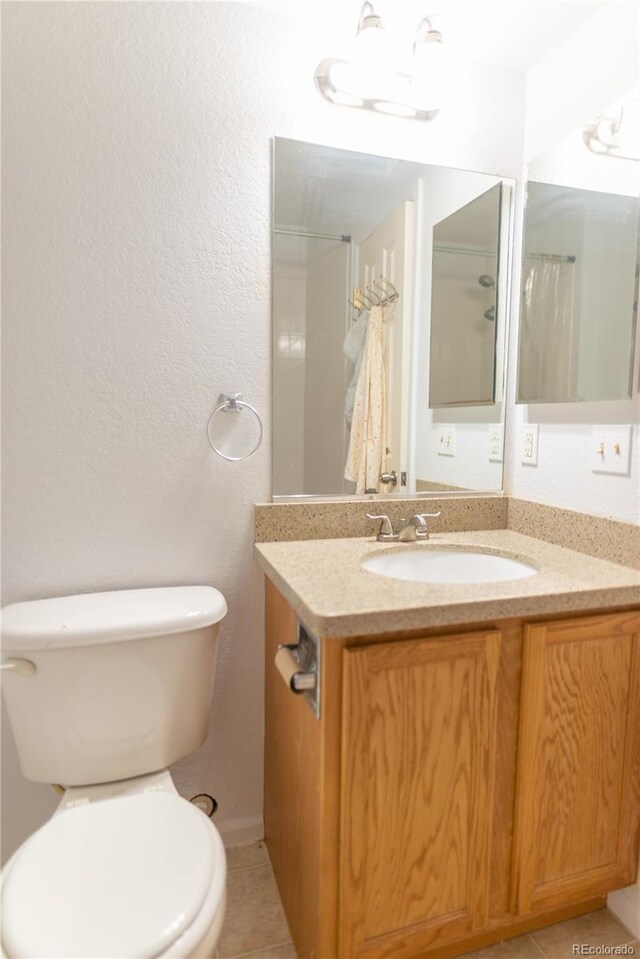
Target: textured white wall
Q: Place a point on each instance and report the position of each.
(137, 180)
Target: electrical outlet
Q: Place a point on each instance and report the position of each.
(447, 441)
(529, 444)
(495, 443)
(611, 450)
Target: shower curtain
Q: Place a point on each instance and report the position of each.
(548, 348)
(367, 455)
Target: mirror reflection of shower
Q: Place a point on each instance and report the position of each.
(464, 303)
(312, 276)
(487, 282)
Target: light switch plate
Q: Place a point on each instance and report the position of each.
(496, 436)
(611, 450)
(529, 444)
(446, 441)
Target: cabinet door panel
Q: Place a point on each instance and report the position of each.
(419, 727)
(578, 805)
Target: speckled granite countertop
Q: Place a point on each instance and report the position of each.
(333, 596)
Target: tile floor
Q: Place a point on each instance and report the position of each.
(255, 926)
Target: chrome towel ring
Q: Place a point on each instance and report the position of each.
(234, 404)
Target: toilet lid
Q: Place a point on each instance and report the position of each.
(119, 877)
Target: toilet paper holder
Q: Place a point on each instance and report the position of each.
(299, 665)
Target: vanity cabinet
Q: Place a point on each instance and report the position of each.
(578, 766)
(461, 786)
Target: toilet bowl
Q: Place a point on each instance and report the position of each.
(97, 686)
(136, 871)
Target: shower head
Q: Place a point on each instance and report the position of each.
(486, 281)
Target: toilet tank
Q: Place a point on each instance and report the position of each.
(120, 683)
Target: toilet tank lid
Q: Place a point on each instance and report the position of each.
(93, 618)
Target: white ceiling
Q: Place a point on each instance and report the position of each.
(510, 33)
(516, 34)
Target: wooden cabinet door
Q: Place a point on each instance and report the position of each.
(418, 754)
(578, 807)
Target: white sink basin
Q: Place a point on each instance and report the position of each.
(447, 566)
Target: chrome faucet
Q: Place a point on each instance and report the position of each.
(410, 531)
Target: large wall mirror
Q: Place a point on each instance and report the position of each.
(579, 306)
(390, 290)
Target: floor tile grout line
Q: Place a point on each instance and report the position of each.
(256, 952)
(537, 945)
(264, 860)
(255, 865)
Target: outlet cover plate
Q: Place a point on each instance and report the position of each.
(496, 439)
(611, 450)
(529, 444)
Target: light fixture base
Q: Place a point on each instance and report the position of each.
(341, 96)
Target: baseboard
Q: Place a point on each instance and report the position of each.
(241, 832)
(625, 905)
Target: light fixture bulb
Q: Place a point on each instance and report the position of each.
(428, 67)
(370, 54)
(352, 82)
(371, 40)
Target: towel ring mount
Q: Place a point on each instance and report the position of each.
(233, 403)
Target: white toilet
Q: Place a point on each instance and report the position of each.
(104, 691)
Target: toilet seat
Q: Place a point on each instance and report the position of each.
(139, 876)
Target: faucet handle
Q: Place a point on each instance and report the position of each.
(386, 529)
(422, 531)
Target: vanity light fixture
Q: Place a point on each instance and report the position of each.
(369, 79)
(616, 136)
